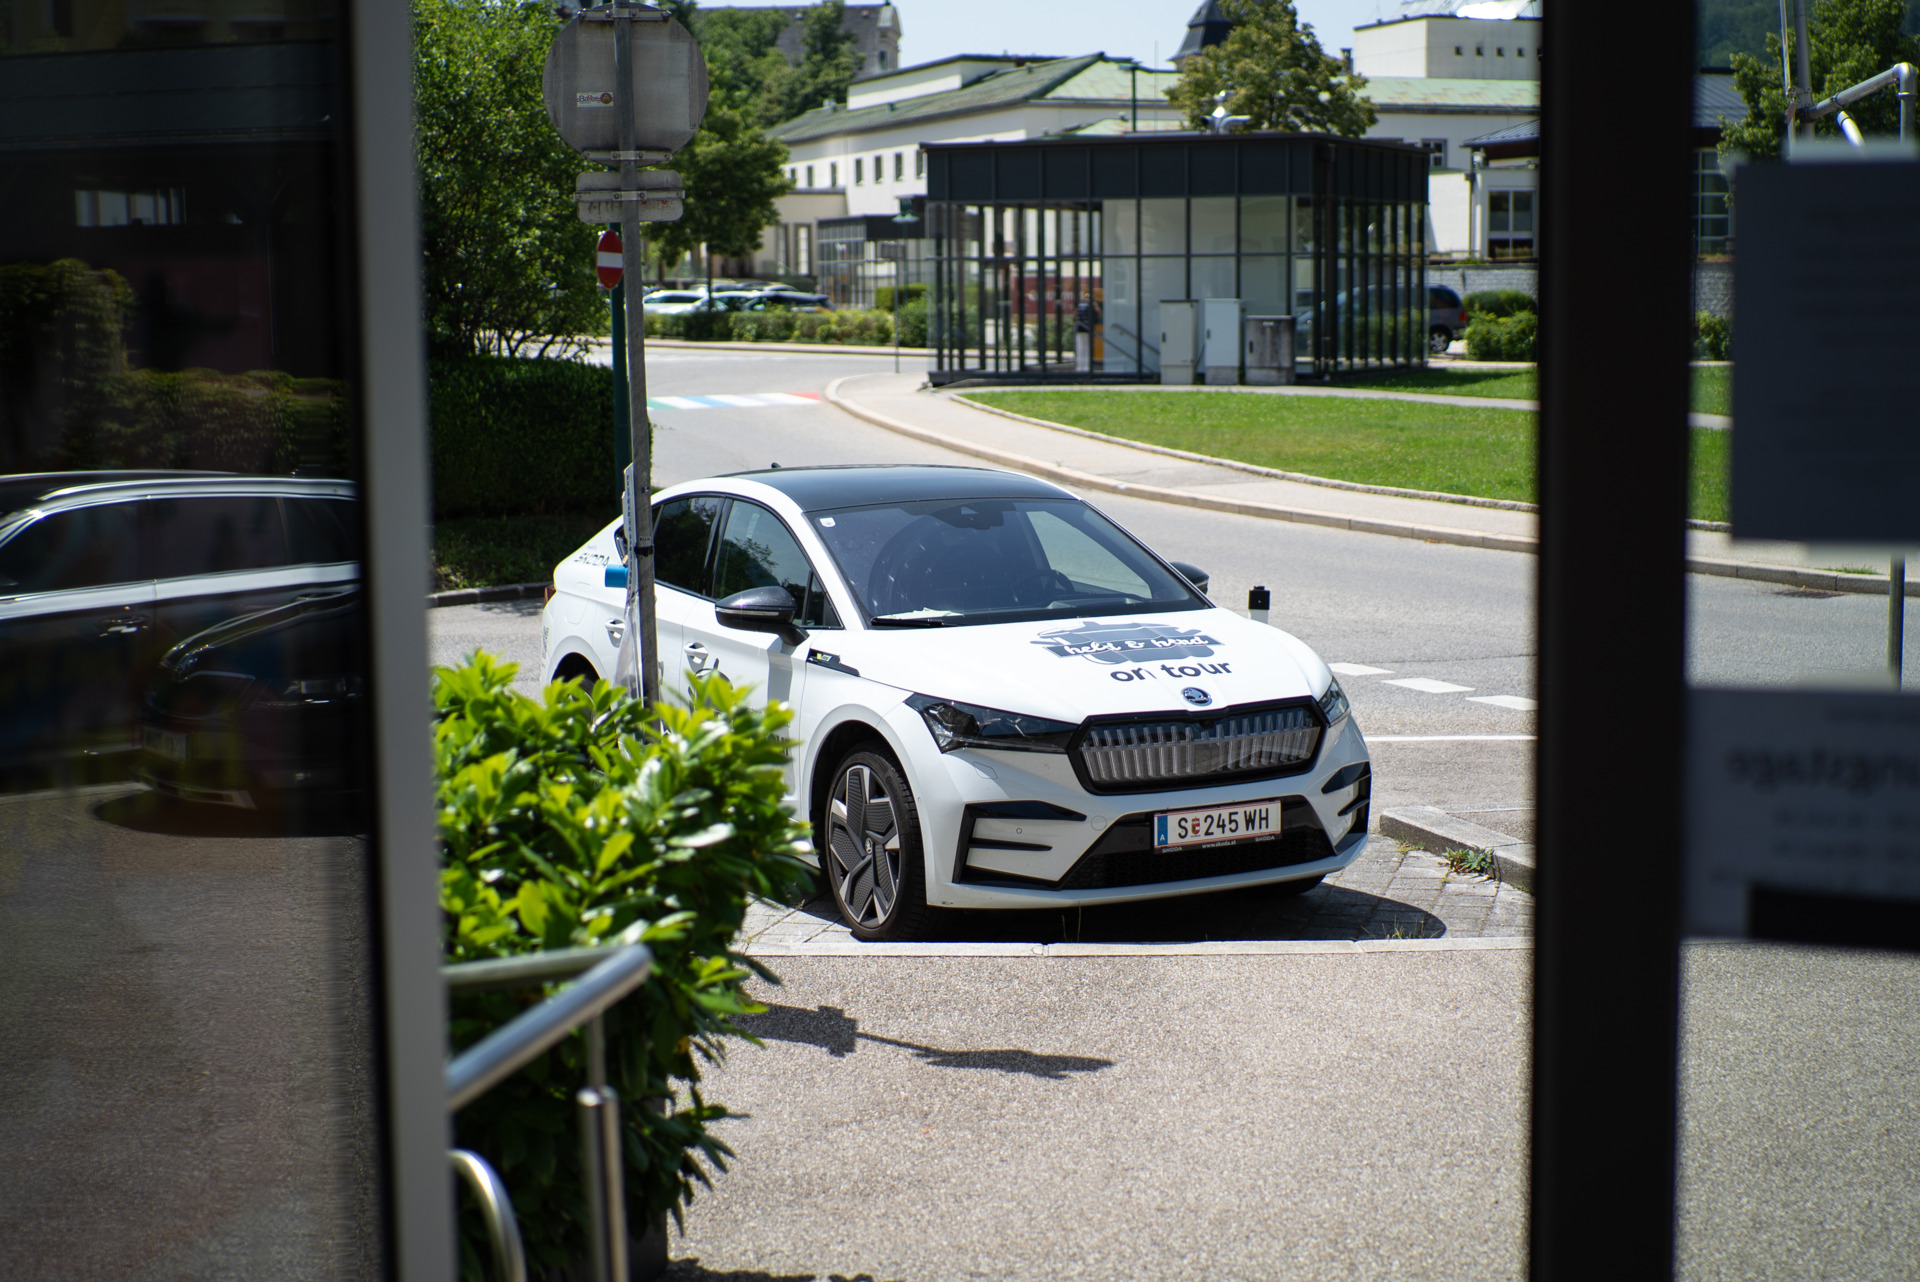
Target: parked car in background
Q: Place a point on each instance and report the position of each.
(102, 573)
(1002, 699)
(789, 300)
(260, 708)
(1446, 318)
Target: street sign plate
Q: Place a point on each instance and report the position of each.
(607, 261)
(669, 81)
(657, 195)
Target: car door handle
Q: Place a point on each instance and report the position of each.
(616, 629)
(698, 658)
(122, 625)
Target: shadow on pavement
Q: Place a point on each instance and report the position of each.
(834, 1031)
(1327, 912)
(694, 1271)
(149, 811)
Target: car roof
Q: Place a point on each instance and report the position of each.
(813, 489)
(39, 489)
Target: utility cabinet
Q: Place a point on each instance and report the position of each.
(1220, 325)
(1269, 352)
(1179, 341)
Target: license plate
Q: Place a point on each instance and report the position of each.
(1247, 821)
(168, 743)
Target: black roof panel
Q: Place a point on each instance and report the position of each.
(816, 488)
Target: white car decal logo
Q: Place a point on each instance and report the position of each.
(1128, 642)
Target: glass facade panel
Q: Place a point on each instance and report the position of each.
(1213, 219)
(1121, 310)
(1120, 227)
(192, 1072)
(1214, 278)
(1160, 279)
(1263, 224)
(1163, 226)
(1263, 286)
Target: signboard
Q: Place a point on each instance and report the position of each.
(607, 262)
(656, 197)
(669, 81)
(1803, 816)
(1826, 448)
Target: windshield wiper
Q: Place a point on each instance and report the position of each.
(908, 621)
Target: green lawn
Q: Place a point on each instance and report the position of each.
(1712, 385)
(479, 552)
(1486, 453)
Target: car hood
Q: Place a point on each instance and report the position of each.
(1072, 669)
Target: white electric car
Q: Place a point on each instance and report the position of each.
(1002, 699)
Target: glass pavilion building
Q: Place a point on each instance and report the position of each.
(1029, 241)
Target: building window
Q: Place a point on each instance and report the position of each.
(883, 59)
(1458, 52)
(803, 250)
(899, 166)
(1436, 149)
(919, 164)
(859, 171)
(1510, 224)
(165, 207)
(1499, 51)
(1519, 51)
(1479, 51)
(833, 173)
(1712, 220)
(809, 175)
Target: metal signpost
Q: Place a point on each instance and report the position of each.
(626, 86)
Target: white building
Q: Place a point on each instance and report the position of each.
(856, 163)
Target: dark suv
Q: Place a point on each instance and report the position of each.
(1446, 318)
(101, 573)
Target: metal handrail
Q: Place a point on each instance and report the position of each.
(609, 975)
(503, 1227)
(507, 1049)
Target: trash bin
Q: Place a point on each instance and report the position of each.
(1269, 350)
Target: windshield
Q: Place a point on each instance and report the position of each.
(945, 563)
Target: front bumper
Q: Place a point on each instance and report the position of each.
(1017, 830)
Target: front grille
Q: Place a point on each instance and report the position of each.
(1183, 752)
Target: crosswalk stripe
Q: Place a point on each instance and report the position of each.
(1513, 701)
(674, 403)
(1427, 685)
(1358, 670)
(743, 401)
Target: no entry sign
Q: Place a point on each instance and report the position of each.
(607, 263)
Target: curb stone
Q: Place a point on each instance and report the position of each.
(1438, 831)
(481, 596)
(1788, 576)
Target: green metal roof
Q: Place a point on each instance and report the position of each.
(1092, 77)
(1415, 93)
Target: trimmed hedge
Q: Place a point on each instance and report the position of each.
(1495, 338)
(513, 435)
(1500, 302)
(1712, 337)
(866, 328)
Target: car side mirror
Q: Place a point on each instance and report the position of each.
(1194, 575)
(761, 610)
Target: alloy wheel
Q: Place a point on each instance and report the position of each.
(863, 837)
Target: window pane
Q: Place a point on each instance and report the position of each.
(88, 548)
(189, 537)
(1263, 284)
(1163, 226)
(758, 552)
(1075, 553)
(1263, 224)
(321, 531)
(682, 531)
(1213, 225)
(1117, 231)
(1213, 278)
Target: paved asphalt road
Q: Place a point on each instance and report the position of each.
(1433, 614)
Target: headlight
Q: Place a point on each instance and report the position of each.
(966, 725)
(1334, 702)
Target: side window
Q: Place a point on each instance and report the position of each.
(682, 531)
(758, 552)
(89, 547)
(321, 531)
(215, 535)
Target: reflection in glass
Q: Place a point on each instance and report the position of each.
(187, 1046)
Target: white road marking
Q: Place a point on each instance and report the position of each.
(1512, 701)
(1358, 670)
(744, 402)
(1451, 738)
(787, 398)
(678, 402)
(1427, 685)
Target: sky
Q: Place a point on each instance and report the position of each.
(932, 29)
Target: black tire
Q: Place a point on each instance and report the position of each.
(1438, 339)
(871, 857)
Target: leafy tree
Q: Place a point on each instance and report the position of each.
(733, 175)
(509, 267)
(1847, 41)
(1273, 70)
(829, 59)
(745, 67)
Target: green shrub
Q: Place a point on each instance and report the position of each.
(706, 326)
(1712, 337)
(1496, 338)
(1500, 302)
(583, 818)
(775, 326)
(913, 323)
(512, 435)
(883, 296)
